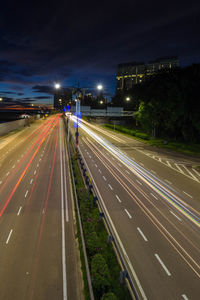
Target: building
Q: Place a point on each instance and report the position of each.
(62, 97)
(130, 74)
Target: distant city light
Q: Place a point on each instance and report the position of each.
(128, 98)
(1, 99)
(57, 85)
(101, 102)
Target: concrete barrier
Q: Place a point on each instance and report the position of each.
(13, 125)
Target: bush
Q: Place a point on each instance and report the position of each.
(93, 243)
(100, 274)
(109, 296)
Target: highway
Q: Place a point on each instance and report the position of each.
(37, 239)
(154, 208)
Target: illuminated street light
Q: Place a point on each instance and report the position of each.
(57, 86)
(99, 87)
(128, 98)
(101, 102)
(1, 99)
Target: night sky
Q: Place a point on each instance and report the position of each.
(43, 42)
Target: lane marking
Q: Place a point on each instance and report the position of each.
(142, 234)
(13, 166)
(37, 165)
(127, 172)
(128, 213)
(34, 172)
(196, 172)
(142, 164)
(179, 169)
(154, 196)
(187, 194)
(175, 215)
(18, 160)
(9, 236)
(185, 297)
(31, 181)
(162, 264)
(7, 173)
(90, 156)
(104, 178)
(96, 165)
(152, 171)
(139, 182)
(118, 198)
(110, 187)
(168, 181)
(169, 164)
(119, 164)
(190, 173)
(26, 193)
(63, 229)
(19, 211)
(0, 182)
(99, 171)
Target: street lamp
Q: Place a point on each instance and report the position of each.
(128, 98)
(100, 87)
(57, 86)
(1, 99)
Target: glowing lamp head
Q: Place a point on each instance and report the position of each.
(57, 86)
(99, 87)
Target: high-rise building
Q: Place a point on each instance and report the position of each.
(130, 74)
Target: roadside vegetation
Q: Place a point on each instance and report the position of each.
(103, 264)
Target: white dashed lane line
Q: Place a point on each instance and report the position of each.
(139, 182)
(127, 172)
(118, 198)
(185, 297)
(26, 193)
(7, 173)
(96, 165)
(34, 172)
(104, 178)
(110, 186)
(129, 215)
(162, 264)
(168, 181)
(119, 164)
(19, 210)
(99, 171)
(187, 194)
(37, 165)
(154, 196)
(9, 236)
(13, 166)
(175, 215)
(31, 181)
(142, 234)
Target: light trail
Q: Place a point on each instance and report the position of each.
(151, 180)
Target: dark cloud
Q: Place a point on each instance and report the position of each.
(44, 42)
(43, 89)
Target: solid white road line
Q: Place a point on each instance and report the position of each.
(9, 236)
(185, 297)
(196, 172)
(19, 211)
(118, 198)
(142, 234)
(154, 196)
(175, 215)
(26, 193)
(110, 187)
(162, 264)
(128, 213)
(63, 228)
(187, 194)
(104, 178)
